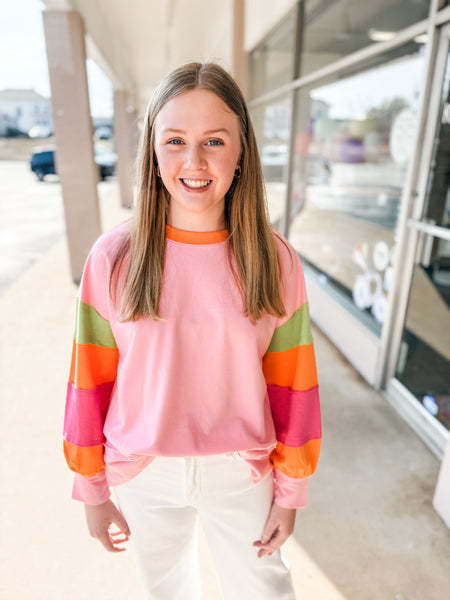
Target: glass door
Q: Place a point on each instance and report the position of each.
(424, 360)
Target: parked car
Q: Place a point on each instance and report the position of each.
(13, 132)
(103, 133)
(106, 161)
(274, 159)
(42, 161)
(40, 131)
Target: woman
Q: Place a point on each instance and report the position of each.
(193, 388)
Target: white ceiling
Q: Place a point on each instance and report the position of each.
(136, 42)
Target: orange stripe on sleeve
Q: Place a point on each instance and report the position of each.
(92, 365)
(294, 368)
(87, 461)
(297, 462)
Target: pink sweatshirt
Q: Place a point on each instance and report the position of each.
(204, 380)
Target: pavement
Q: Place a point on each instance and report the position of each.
(369, 532)
(31, 218)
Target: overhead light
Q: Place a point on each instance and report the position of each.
(378, 35)
(421, 39)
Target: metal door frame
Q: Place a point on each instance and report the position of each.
(431, 431)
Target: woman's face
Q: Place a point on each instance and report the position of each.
(197, 146)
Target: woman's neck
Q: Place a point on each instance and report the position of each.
(212, 221)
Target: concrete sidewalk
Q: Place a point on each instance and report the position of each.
(370, 532)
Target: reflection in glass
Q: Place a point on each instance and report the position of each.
(437, 202)
(353, 141)
(333, 30)
(272, 123)
(424, 363)
(272, 62)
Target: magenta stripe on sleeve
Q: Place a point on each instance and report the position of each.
(85, 414)
(296, 415)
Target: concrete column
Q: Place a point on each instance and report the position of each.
(78, 173)
(240, 56)
(441, 501)
(125, 144)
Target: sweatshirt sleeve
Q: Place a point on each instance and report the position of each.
(92, 376)
(290, 371)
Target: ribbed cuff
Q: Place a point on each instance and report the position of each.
(91, 490)
(290, 492)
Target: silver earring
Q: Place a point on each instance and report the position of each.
(158, 172)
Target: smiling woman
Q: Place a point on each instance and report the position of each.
(197, 146)
(193, 388)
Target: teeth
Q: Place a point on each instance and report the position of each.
(196, 183)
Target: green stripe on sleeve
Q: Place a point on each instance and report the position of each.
(295, 332)
(91, 328)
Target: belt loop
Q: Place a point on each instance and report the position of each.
(193, 478)
(187, 462)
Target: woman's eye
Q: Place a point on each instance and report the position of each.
(175, 142)
(214, 143)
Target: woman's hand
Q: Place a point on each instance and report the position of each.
(278, 527)
(107, 524)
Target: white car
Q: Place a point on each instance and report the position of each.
(103, 133)
(40, 131)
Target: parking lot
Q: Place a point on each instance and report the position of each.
(31, 217)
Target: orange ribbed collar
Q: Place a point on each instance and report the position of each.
(196, 237)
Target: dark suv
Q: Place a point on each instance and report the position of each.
(42, 161)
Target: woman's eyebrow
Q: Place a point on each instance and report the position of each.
(215, 131)
(209, 132)
(172, 130)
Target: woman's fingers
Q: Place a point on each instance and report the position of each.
(107, 524)
(278, 527)
(119, 520)
(275, 542)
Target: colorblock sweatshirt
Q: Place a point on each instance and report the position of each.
(203, 380)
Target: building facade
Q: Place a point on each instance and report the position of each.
(351, 103)
(20, 110)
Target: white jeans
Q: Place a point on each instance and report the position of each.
(161, 506)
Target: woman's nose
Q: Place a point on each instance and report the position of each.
(194, 158)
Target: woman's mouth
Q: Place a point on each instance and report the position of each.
(196, 183)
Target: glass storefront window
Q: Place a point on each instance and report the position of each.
(272, 124)
(353, 137)
(424, 362)
(437, 201)
(332, 30)
(272, 62)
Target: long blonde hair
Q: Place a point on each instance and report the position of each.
(252, 245)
